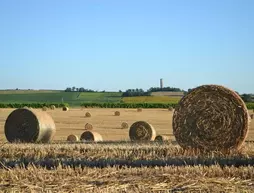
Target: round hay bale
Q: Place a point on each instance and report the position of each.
(88, 126)
(142, 131)
(252, 116)
(161, 138)
(65, 109)
(27, 125)
(91, 136)
(170, 109)
(117, 113)
(72, 138)
(124, 125)
(211, 117)
(52, 107)
(139, 110)
(88, 114)
(44, 108)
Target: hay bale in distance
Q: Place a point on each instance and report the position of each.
(72, 138)
(210, 118)
(142, 131)
(65, 109)
(161, 138)
(91, 136)
(139, 109)
(27, 125)
(252, 116)
(88, 126)
(117, 113)
(44, 108)
(170, 109)
(88, 114)
(124, 125)
(52, 107)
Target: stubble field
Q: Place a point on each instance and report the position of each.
(120, 166)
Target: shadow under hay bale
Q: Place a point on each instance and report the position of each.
(72, 138)
(117, 113)
(29, 126)
(161, 138)
(124, 125)
(88, 126)
(142, 131)
(91, 136)
(209, 118)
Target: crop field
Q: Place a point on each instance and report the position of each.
(151, 99)
(118, 165)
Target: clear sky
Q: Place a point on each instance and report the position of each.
(112, 45)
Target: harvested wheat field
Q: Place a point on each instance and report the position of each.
(118, 164)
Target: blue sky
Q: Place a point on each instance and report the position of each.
(112, 45)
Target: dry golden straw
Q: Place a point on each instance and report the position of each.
(142, 131)
(88, 126)
(65, 109)
(88, 114)
(72, 138)
(91, 136)
(161, 138)
(117, 113)
(27, 125)
(124, 125)
(211, 117)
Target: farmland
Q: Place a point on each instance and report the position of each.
(115, 164)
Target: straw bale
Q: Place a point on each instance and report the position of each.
(117, 113)
(65, 109)
(88, 114)
(88, 126)
(29, 125)
(142, 131)
(211, 117)
(91, 136)
(124, 125)
(161, 138)
(72, 138)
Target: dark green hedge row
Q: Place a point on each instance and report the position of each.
(129, 105)
(140, 105)
(33, 105)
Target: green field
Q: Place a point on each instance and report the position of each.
(73, 98)
(76, 98)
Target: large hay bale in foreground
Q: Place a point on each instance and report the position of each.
(142, 131)
(91, 136)
(211, 117)
(161, 138)
(27, 125)
(72, 138)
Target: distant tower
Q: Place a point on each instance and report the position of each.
(161, 83)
